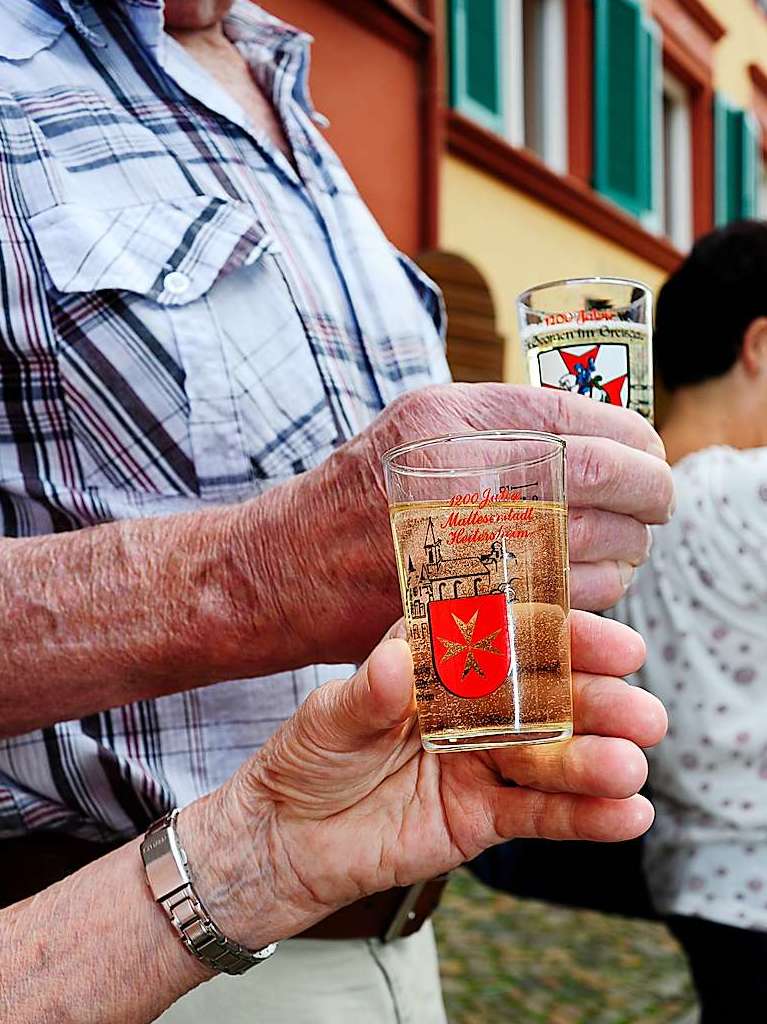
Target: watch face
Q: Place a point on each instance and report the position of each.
(164, 859)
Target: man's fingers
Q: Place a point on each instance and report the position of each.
(605, 706)
(604, 474)
(345, 716)
(595, 586)
(380, 695)
(530, 814)
(605, 547)
(587, 765)
(390, 683)
(604, 647)
(490, 406)
(597, 536)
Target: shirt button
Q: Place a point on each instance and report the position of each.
(176, 283)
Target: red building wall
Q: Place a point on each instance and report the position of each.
(369, 70)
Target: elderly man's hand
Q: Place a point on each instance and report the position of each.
(343, 801)
(338, 533)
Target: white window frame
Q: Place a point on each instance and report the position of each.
(761, 208)
(513, 70)
(551, 79)
(679, 161)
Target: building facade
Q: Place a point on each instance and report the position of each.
(508, 142)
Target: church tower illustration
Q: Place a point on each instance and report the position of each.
(432, 547)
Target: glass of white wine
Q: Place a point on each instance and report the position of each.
(480, 532)
(591, 336)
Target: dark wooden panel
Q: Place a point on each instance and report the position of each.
(475, 349)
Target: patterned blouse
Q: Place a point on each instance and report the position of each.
(701, 604)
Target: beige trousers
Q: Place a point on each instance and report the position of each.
(315, 981)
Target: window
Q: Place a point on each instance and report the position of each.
(759, 106)
(736, 141)
(536, 78)
(475, 67)
(762, 198)
(627, 116)
(508, 71)
(676, 165)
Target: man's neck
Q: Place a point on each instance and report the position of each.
(725, 411)
(195, 15)
(213, 50)
(211, 38)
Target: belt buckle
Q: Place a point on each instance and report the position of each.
(405, 912)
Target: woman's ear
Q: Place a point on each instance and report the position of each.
(753, 353)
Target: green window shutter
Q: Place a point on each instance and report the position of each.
(476, 89)
(736, 138)
(751, 158)
(626, 97)
(720, 160)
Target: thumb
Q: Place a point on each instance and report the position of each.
(346, 737)
(378, 698)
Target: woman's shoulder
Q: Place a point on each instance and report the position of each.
(721, 475)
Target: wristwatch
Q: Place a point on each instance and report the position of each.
(170, 878)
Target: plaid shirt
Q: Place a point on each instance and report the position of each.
(184, 319)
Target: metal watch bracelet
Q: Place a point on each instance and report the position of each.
(170, 880)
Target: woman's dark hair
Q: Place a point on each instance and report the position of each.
(707, 304)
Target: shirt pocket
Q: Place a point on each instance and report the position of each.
(174, 332)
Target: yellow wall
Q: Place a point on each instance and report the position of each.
(745, 43)
(516, 242)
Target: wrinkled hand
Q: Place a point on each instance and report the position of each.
(617, 478)
(343, 801)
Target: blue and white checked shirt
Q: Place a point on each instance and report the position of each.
(184, 319)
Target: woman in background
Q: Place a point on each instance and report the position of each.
(701, 604)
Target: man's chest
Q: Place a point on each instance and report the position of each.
(237, 79)
(212, 329)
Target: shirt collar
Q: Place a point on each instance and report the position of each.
(72, 11)
(33, 25)
(28, 26)
(265, 38)
(245, 22)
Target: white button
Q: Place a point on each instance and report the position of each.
(176, 283)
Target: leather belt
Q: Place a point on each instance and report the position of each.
(389, 915)
(30, 863)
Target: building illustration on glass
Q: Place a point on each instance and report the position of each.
(440, 579)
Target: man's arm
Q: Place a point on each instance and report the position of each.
(91, 949)
(305, 573)
(340, 803)
(136, 609)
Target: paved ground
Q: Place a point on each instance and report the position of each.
(506, 961)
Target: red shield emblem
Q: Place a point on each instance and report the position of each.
(470, 643)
